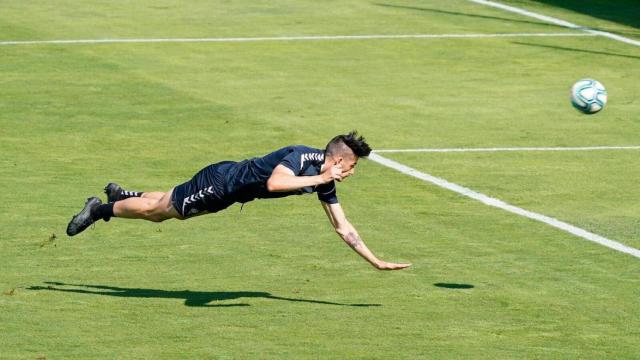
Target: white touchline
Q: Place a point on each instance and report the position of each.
(580, 148)
(502, 205)
(288, 38)
(556, 21)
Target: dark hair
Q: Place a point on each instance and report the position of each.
(356, 143)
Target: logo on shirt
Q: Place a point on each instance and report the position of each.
(310, 157)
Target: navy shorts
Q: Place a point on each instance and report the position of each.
(204, 192)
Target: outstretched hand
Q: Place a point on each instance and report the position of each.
(383, 265)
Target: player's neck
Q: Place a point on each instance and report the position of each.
(326, 164)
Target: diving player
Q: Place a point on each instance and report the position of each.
(292, 170)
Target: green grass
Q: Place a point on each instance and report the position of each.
(274, 281)
(593, 190)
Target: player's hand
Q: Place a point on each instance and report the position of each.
(333, 173)
(383, 265)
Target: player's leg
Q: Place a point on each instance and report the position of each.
(153, 206)
(153, 195)
(115, 193)
(186, 200)
(133, 208)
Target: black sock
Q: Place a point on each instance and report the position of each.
(124, 194)
(104, 211)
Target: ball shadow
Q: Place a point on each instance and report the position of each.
(453, 286)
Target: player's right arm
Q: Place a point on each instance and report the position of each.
(283, 179)
(350, 235)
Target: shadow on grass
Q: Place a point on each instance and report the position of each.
(453, 286)
(625, 12)
(455, 13)
(577, 50)
(192, 298)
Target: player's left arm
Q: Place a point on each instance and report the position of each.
(283, 179)
(350, 235)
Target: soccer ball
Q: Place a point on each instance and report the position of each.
(588, 96)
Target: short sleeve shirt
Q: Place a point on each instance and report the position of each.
(246, 180)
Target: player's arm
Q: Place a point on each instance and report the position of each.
(283, 179)
(350, 236)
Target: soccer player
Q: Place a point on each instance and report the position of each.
(292, 170)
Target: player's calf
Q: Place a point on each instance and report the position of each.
(156, 210)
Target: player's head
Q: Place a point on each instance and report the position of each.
(345, 150)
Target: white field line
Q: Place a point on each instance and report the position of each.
(288, 38)
(556, 21)
(584, 148)
(502, 205)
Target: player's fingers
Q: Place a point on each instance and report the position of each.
(401, 266)
(337, 173)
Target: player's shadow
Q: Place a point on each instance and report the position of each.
(561, 48)
(191, 298)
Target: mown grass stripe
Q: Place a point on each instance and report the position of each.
(446, 150)
(285, 38)
(487, 200)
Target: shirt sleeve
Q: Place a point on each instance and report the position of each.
(292, 162)
(327, 193)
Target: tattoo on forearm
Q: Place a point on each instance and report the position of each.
(353, 240)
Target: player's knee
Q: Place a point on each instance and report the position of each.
(157, 218)
(153, 212)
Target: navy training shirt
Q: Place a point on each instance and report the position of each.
(247, 180)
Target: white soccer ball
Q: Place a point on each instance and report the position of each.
(588, 96)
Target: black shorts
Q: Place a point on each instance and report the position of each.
(204, 192)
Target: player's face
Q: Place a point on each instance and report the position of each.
(348, 166)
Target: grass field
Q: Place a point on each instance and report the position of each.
(274, 281)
